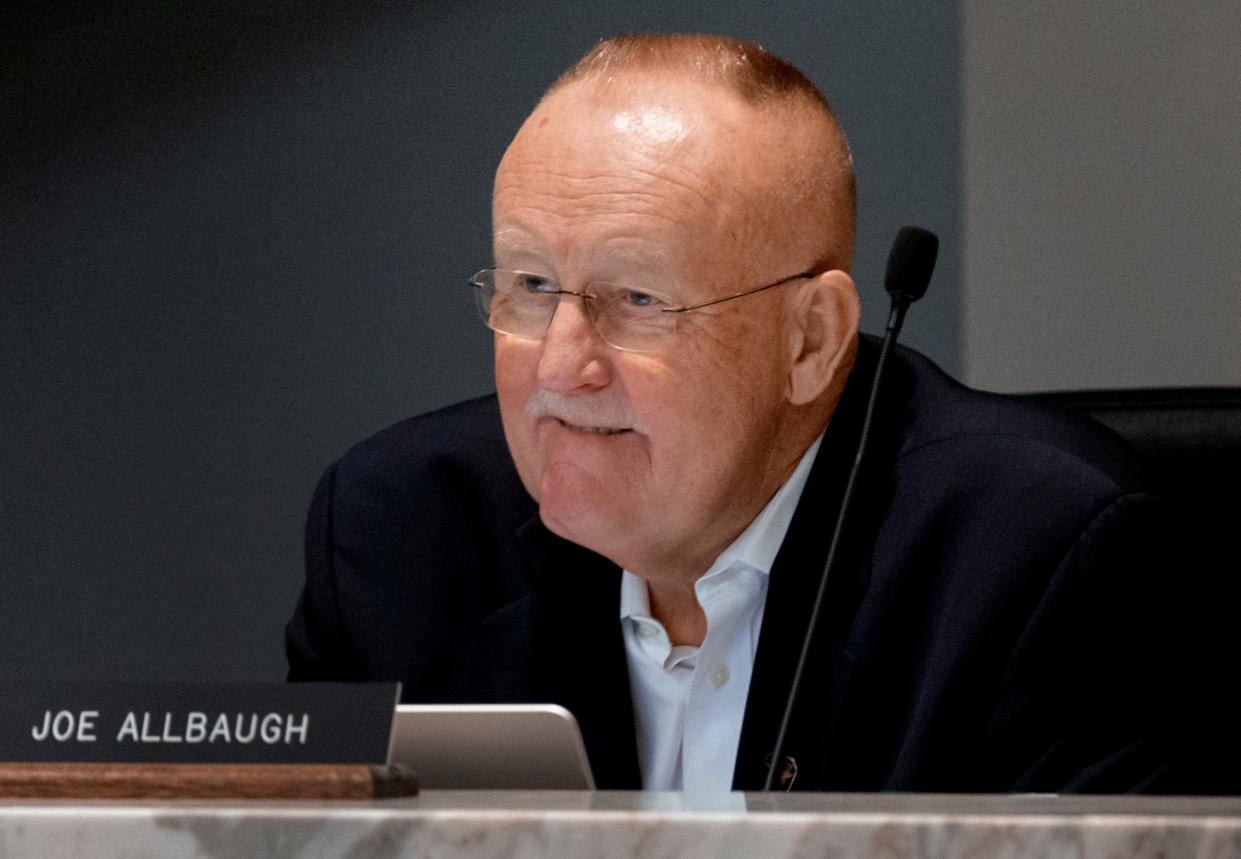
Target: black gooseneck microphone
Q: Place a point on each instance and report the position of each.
(910, 264)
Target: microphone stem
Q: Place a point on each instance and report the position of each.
(896, 319)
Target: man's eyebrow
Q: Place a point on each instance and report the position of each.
(513, 240)
(646, 259)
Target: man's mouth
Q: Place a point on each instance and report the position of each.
(593, 430)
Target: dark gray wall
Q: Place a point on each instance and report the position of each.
(233, 242)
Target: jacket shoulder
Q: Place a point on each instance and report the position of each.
(985, 434)
(409, 545)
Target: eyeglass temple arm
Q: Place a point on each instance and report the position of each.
(781, 282)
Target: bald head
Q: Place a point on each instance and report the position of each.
(814, 191)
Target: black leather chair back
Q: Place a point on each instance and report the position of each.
(1190, 439)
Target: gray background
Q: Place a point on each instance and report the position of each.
(234, 236)
(1102, 194)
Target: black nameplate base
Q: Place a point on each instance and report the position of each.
(226, 723)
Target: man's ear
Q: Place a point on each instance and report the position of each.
(822, 334)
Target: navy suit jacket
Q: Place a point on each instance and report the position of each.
(994, 624)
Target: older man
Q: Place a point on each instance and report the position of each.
(680, 385)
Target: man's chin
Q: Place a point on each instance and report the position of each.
(574, 529)
(558, 525)
(578, 521)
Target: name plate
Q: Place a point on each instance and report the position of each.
(234, 723)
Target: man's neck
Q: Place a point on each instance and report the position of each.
(673, 599)
(676, 606)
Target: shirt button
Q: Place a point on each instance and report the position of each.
(719, 675)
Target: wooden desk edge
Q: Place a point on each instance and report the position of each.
(204, 781)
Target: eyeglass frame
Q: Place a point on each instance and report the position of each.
(805, 275)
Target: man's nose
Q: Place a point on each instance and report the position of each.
(574, 358)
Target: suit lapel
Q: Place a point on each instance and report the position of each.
(791, 591)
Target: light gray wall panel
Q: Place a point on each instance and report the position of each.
(1102, 194)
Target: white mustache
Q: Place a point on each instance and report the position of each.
(598, 411)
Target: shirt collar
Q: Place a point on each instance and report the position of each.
(755, 547)
(759, 543)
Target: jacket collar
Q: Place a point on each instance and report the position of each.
(794, 583)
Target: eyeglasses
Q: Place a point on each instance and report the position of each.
(522, 304)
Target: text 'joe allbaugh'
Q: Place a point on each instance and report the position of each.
(192, 727)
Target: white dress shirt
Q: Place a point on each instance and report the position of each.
(689, 702)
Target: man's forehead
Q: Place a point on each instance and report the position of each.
(691, 159)
(514, 244)
(655, 123)
(643, 110)
(697, 135)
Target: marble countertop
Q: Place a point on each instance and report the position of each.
(606, 824)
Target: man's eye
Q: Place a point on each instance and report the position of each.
(633, 298)
(534, 283)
